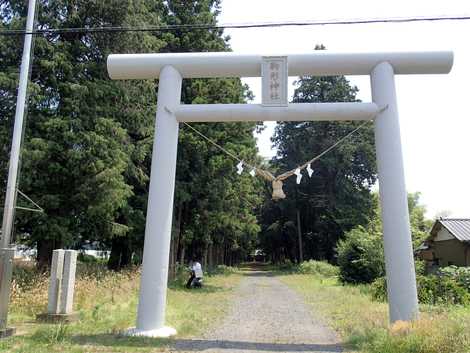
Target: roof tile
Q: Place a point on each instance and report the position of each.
(458, 227)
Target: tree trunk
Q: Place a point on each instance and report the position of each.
(172, 259)
(299, 233)
(175, 243)
(44, 252)
(204, 256)
(220, 258)
(121, 253)
(210, 262)
(182, 251)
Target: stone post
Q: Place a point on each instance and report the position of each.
(61, 288)
(68, 282)
(55, 281)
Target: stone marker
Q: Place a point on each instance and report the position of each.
(68, 282)
(55, 281)
(61, 288)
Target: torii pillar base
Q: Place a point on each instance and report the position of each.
(163, 332)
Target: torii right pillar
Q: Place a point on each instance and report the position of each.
(399, 262)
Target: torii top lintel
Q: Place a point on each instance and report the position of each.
(318, 63)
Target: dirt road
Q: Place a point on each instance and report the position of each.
(267, 316)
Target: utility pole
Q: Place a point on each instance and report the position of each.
(7, 252)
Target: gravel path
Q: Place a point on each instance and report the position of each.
(267, 316)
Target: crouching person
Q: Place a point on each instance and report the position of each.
(195, 280)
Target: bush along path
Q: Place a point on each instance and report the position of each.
(266, 316)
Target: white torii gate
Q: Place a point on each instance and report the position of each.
(172, 68)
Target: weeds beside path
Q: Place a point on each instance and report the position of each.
(107, 304)
(363, 323)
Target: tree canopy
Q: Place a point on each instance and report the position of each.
(87, 148)
(88, 144)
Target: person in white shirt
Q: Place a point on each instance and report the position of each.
(196, 275)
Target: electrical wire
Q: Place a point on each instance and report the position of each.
(167, 28)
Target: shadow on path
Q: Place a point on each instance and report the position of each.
(199, 345)
(202, 345)
(121, 341)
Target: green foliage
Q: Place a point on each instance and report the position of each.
(461, 275)
(432, 289)
(360, 256)
(88, 140)
(360, 253)
(223, 270)
(321, 268)
(89, 259)
(287, 266)
(379, 289)
(420, 267)
(420, 226)
(52, 334)
(441, 290)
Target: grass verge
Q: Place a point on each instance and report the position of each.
(107, 303)
(363, 323)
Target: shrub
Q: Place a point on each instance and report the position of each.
(90, 259)
(287, 265)
(360, 256)
(322, 268)
(222, 270)
(432, 289)
(441, 290)
(379, 289)
(420, 267)
(52, 334)
(459, 274)
(181, 275)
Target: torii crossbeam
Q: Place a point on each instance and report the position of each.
(172, 68)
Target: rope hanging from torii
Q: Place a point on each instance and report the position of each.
(277, 181)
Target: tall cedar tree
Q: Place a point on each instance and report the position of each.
(337, 197)
(87, 148)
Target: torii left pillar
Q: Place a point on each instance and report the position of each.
(153, 284)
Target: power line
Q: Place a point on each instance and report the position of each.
(168, 28)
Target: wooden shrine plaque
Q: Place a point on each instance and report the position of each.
(274, 81)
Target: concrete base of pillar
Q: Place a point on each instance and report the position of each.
(58, 318)
(7, 332)
(163, 332)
